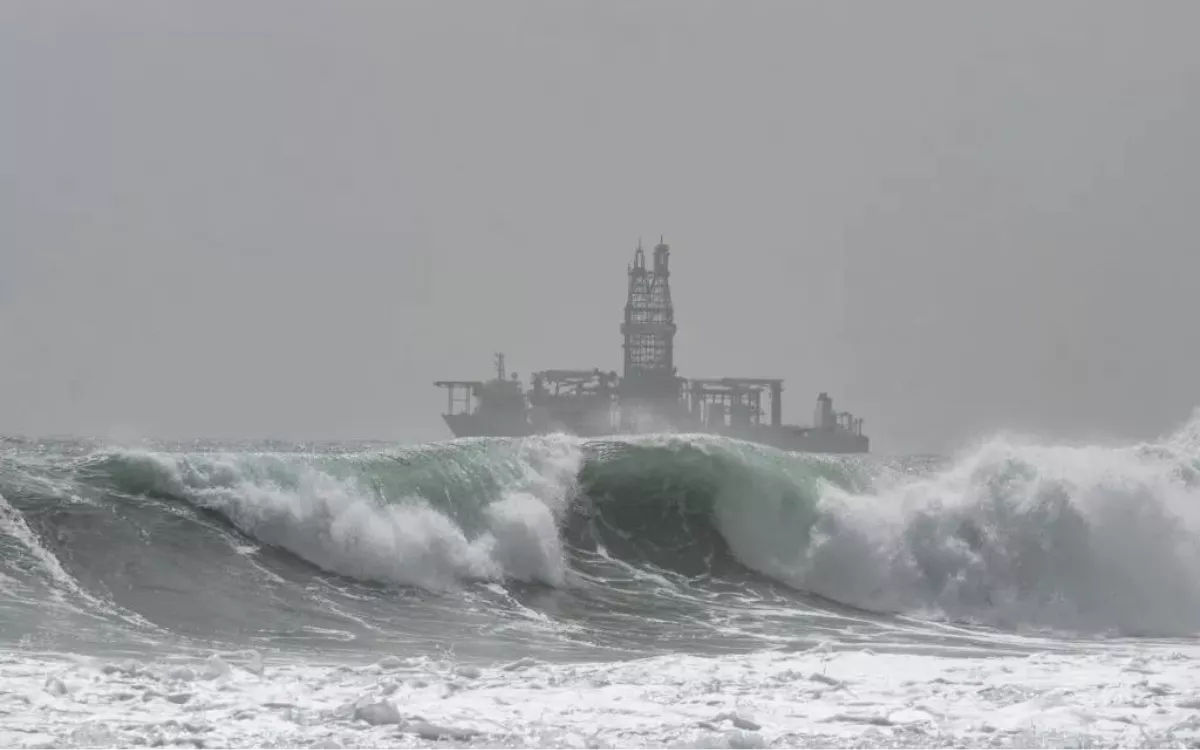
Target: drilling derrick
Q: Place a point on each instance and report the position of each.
(649, 331)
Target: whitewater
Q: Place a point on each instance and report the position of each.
(655, 590)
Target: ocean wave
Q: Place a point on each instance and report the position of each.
(1012, 533)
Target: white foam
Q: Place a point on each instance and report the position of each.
(1085, 538)
(525, 539)
(341, 526)
(1142, 694)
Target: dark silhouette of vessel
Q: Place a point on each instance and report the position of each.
(650, 396)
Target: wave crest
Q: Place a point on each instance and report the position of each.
(365, 517)
(1083, 538)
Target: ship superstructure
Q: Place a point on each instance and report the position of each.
(649, 396)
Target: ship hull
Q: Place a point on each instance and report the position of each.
(796, 440)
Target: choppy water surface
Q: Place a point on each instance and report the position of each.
(648, 590)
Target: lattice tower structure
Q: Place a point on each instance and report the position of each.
(649, 328)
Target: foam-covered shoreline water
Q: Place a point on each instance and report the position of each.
(1113, 697)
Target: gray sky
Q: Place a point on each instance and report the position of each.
(288, 218)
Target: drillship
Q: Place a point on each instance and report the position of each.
(650, 396)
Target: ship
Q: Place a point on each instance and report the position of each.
(649, 396)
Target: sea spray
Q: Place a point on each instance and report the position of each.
(489, 513)
(1013, 534)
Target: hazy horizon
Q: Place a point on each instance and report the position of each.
(287, 219)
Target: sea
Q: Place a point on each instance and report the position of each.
(665, 590)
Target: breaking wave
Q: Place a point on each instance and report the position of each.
(1011, 534)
